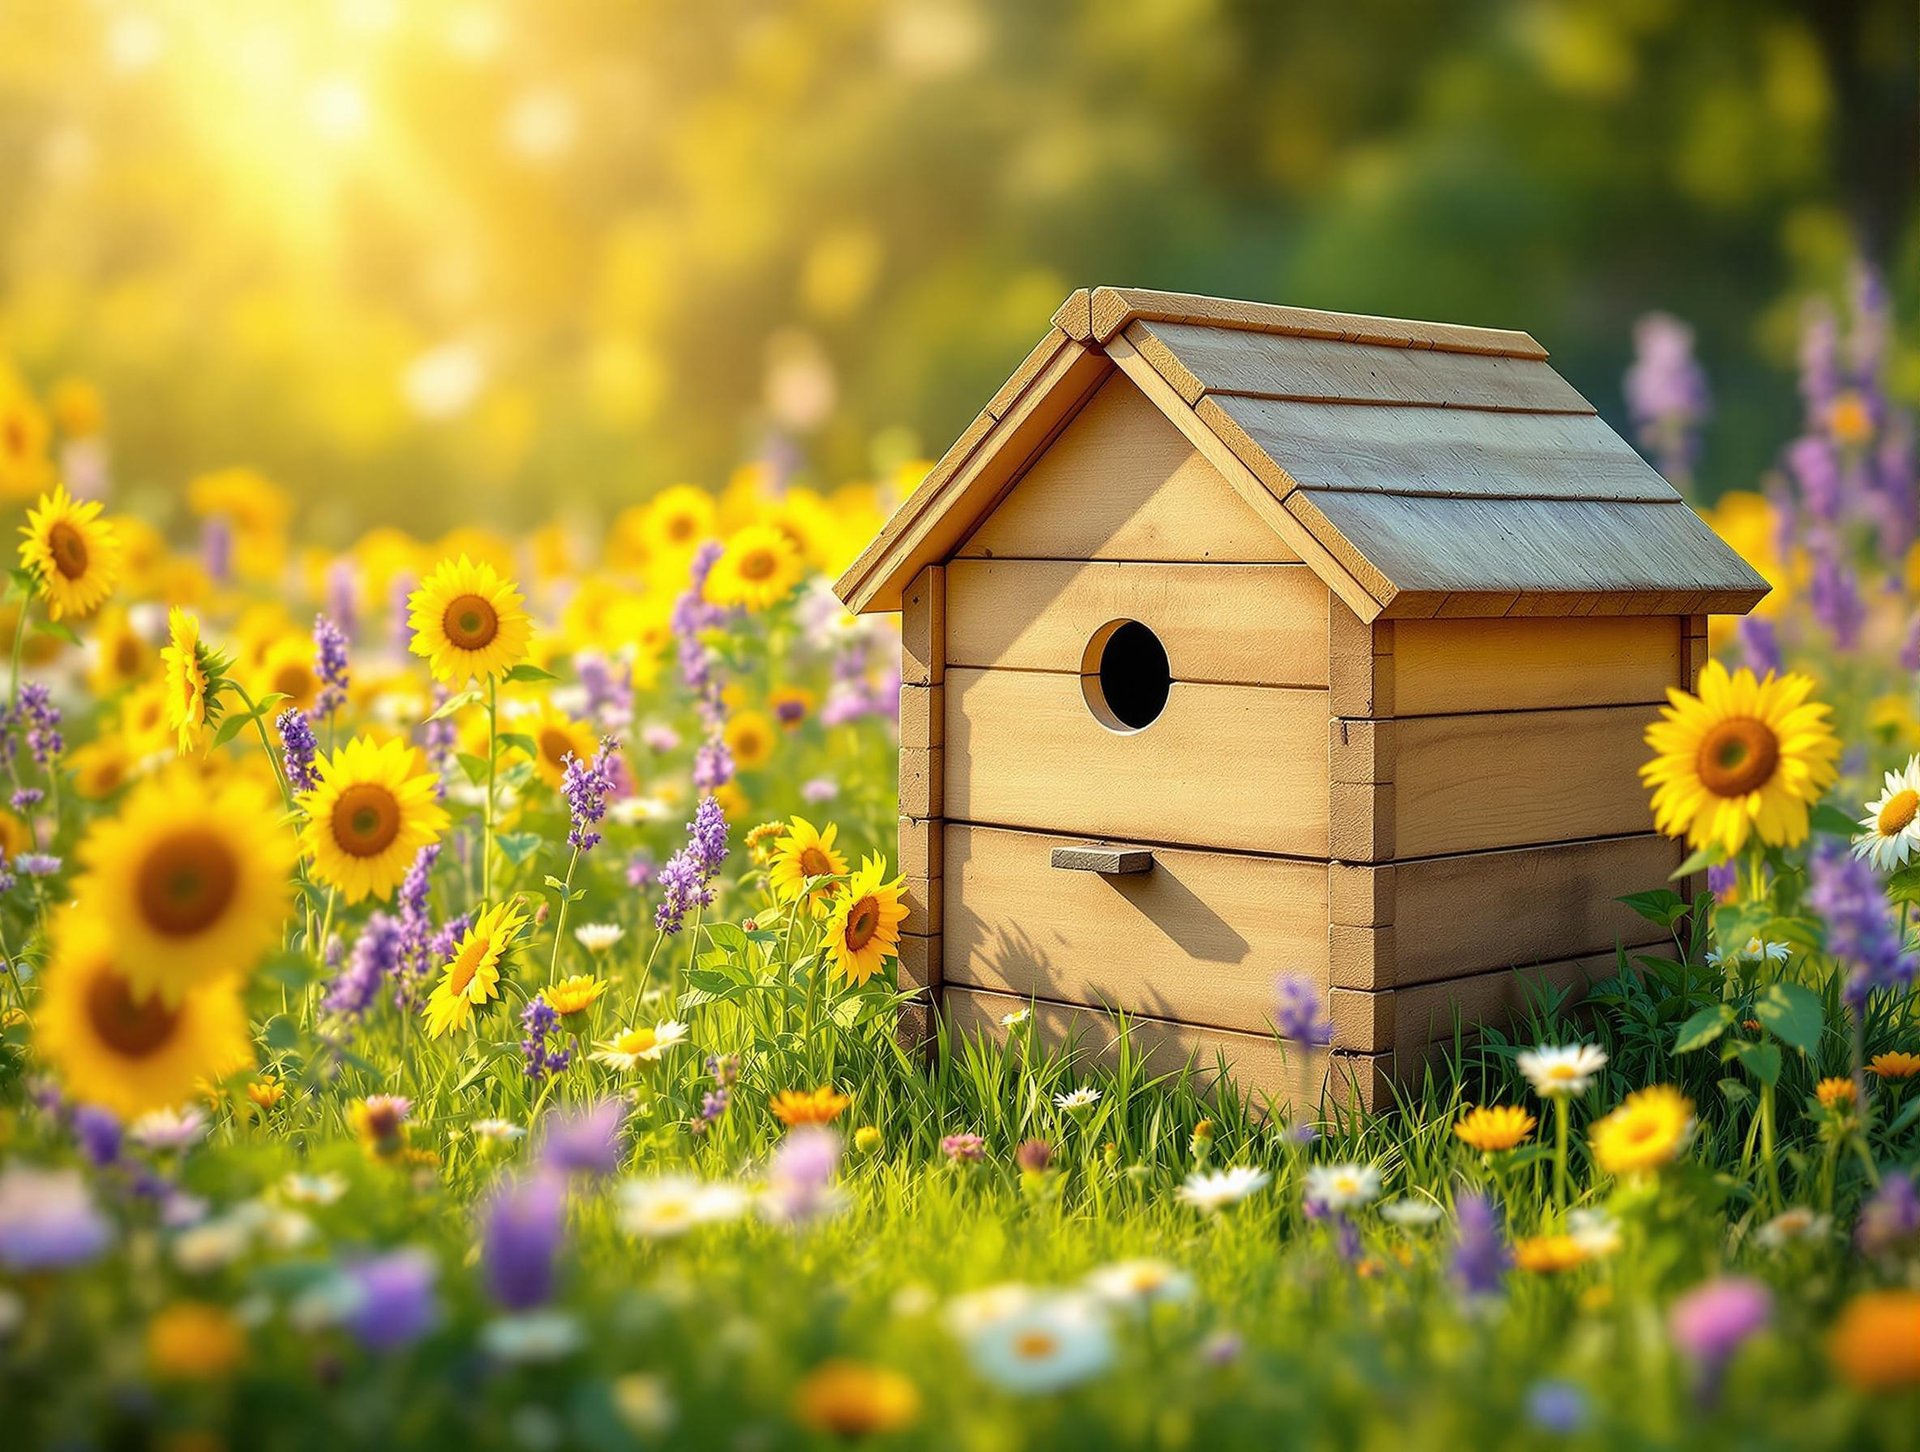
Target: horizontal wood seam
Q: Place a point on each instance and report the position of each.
(1271, 396)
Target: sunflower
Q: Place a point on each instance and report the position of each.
(72, 551)
(554, 735)
(758, 568)
(574, 995)
(101, 768)
(117, 656)
(468, 621)
(370, 815)
(1645, 1132)
(472, 975)
(192, 702)
(1500, 1127)
(749, 737)
(802, 853)
(24, 465)
(119, 1048)
(191, 877)
(1892, 824)
(1744, 756)
(864, 929)
(808, 1106)
(676, 521)
(286, 668)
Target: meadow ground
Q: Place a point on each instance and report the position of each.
(450, 1001)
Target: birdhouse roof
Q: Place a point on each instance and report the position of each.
(1421, 469)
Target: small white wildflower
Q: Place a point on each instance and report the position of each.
(1411, 1213)
(1555, 1072)
(1342, 1187)
(1216, 1191)
(1140, 1283)
(598, 937)
(1077, 1100)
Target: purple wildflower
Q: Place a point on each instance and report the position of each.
(659, 739)
(26, 799)
(98, 1132)
(1723, 879)
(724, 1069)
(819, 789)
(1861, 931)
(1479, 1251)
(47, 1219)
(42, 720)
(378, 954)
(342, 594)
(1034, 1156)
(216, 548)
(714, 1103)
(586, 786)
(393, 1301)
(1890, 1219)
(520, 1241)
(1557, 1406)
(964, 1148)
(800, 1175)
(609, 691)
(541, 1023)
(330, 664)
(36, 864)
(641, 869)
(1761, 641)
(1666, 392)
(298, 748)
(1299, 1011)
(440, 737)
(689, 873)
(712, 765)
(1713, 1320)
(586, 1143)
(1834, 594)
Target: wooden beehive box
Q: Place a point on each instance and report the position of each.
(1241, 641)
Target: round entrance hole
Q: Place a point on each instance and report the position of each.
(1125, 675)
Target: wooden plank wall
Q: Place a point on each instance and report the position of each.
(923, 666)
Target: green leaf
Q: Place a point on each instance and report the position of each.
(290, 970)
(1760, 1060)
(474, 766)
(1736, 925)
(280, 1033)
(1904, 1118)
(1699, 862)
(726, 935)
(1662, 905)
(517, 847)
(707, 981)
(1835, 823)
(58, 629)
(486, 1062)
(1793, 1015)
(232, 727)
(456, 702)
(23, 581)
(530, 673)
(514, 741)
(1703, 1028)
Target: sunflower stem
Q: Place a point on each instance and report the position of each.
(493, 761)
(1774, 1198)
(1561, 1114)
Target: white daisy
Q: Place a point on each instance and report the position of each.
(496, 1131)
(1410, 1212)
(1556, 1071)
(1342, 1187)
(1757, 950)
(670, 1205)
(976, 1310)
(632, 1047)
(168, 1129)
(1018, 1019)
(1056, 1340)
(313, 1189)
(1077, 1100)
(1797, 1222)
(598, 937)
(1140, 1283)
(1594, 1231)
(1216, 1191)
(1892, 823)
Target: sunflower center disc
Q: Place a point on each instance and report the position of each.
(863, 921)
(757, 564)
(130, 1026)
(68, 549)
(813, 863)
(1738, 757)
(187, 883)
(471, 622)
(366, 819)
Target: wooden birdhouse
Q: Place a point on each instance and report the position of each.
(1241, 641)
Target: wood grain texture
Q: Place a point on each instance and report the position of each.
(920, 963)
(1360, 821)
(1115, 307)
(922, 783)
(1468, 783)
(1031, 367)
(1200, 938)
(921, 848)
(1406, 1020)
(923, 628)
(1445, 452)
(1198, 359)
(923, 716)
(923, 899)
(1121, 483)
(927, 528)
(1443, 666)
(1635, 557)
(1252, 624)
(1074, 317)
(1291, 1081)
(1359, 664)
(1105, 861)
(1229, 767)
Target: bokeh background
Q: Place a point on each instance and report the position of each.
(444, 262)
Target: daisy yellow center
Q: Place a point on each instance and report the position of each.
(131, 1027)
(69, 550)
(471, 622)
(637, 1041)
(863, 921)
(814, 863)
(758, 564)
(1035, 1345)
(1737, 757)
(187, 883)
(465, 966)
(1561, 1072)
(1642, 1130)
(1899, 811)
(366, 819)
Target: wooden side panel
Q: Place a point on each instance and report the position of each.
(923, 665)
(1468, 783)
(1197, 359)
(1405, 1020)
(1409, 923)
(1447, 666)
(1291, 1080)
(923, 716)
(1121, 483)
(1240, 768)
(1359, 663)
(1201, 937)
(923, 628)
(1253, 624)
